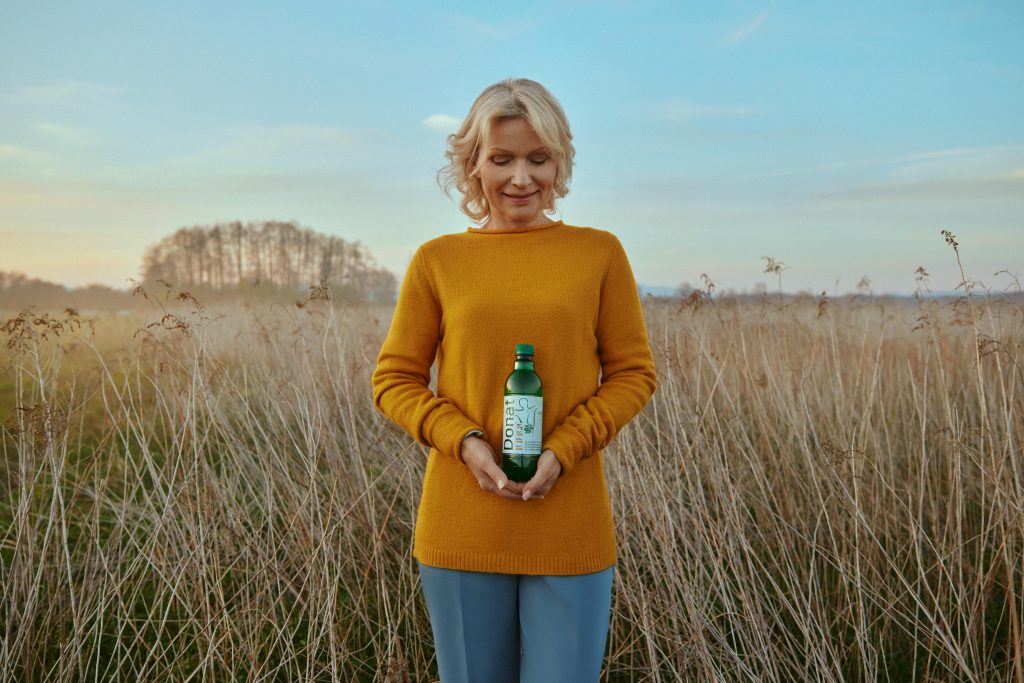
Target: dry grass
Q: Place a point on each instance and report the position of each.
(817, 492)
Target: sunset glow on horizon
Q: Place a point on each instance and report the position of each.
(839, 139)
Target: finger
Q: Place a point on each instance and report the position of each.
(488, 475)
(515, 487)
(513, 490)
(496, 475)
(490, 487)
(533, 488)
(487, 484)
(539, 484)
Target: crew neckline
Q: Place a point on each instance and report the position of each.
(501, 231)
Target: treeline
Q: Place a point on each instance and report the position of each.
(268, 256)
(18, 291)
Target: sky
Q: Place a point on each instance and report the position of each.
(838, 138)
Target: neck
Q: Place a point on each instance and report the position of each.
(499, 224)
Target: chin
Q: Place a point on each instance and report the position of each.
(525, 216)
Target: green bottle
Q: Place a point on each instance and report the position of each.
(523, 418)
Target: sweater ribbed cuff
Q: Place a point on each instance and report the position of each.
(569, 447)
(446, 431)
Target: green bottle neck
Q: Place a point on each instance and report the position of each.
(523, 364)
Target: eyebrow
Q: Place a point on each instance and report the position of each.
(539, 149)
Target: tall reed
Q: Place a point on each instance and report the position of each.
(819, 491)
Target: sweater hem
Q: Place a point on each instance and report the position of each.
(562, 565)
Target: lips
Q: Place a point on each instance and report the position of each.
(520, 198)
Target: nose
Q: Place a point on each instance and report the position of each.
(520, 174)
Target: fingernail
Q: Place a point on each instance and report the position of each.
(501, 483)
(526, 495)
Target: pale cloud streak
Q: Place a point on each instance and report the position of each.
(14, 156)
(67, 135)
(966, 173)
(482, 29)
(978, 175)
(262, 146)
(959, 152)
(75, 196)
(442, 122)
(678, 111)
(994, 160)
(74, 94)
(745, 31)
(1007, 186)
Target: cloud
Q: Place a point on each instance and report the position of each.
(20, 153)
(967, 174)
(482, 33)
(477, 27)
(262, 146)
(1007, 186)
(294, 134)
(956, 152)
(745, 31)
(441, 122)
(68, 135)
(73, 94)
(959, 161)
(37, 161)
(678, 111)
(996, 160)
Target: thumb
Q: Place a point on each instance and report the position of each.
(495, 473)
(543, 476)
(536, 482)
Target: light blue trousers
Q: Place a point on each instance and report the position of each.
(517, 628)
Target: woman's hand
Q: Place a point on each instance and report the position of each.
(548, 471)
(483, 462)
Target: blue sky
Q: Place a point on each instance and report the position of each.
(839, 138)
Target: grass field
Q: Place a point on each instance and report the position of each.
(818, 491)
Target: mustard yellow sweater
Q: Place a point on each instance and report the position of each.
(467, 299)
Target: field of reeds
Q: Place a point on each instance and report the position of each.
(818, 491)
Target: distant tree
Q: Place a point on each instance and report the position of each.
(18, 291)
(274, 254)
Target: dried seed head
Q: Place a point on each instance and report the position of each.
(773, 266)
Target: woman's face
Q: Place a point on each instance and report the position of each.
(516, 174)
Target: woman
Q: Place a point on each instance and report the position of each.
(516, 576)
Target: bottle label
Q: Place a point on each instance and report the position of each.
(522, 424)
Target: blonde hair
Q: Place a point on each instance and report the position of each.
(512, 98)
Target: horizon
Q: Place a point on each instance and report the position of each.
(838, 140)
(657, 291)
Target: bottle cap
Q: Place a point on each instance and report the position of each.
(524, 349)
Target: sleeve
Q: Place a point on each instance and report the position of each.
(401, 380)
(628, 377)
